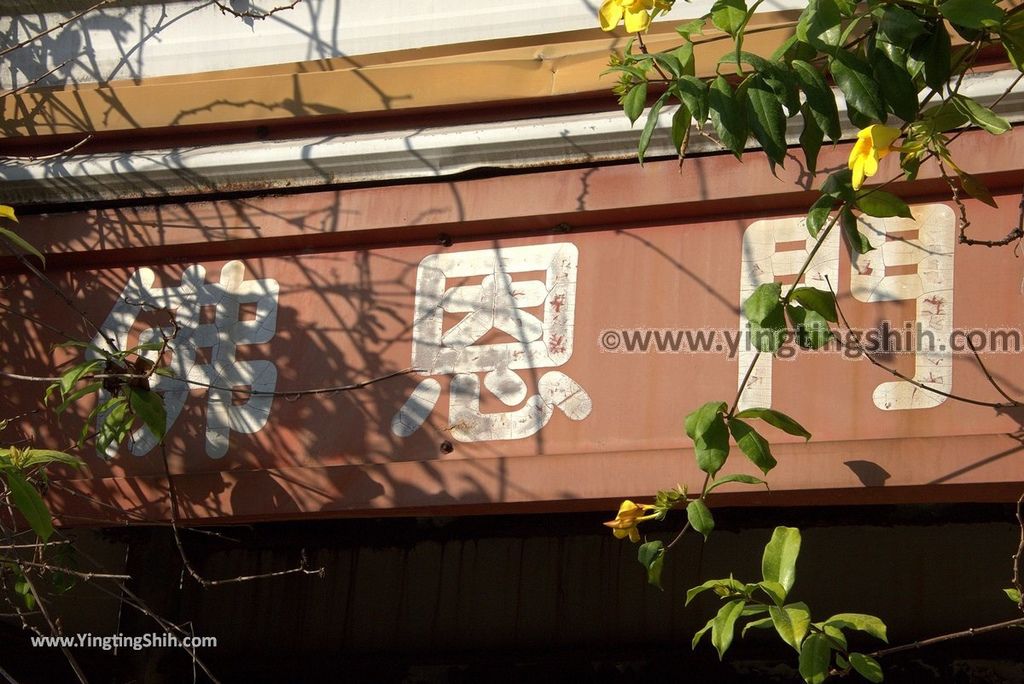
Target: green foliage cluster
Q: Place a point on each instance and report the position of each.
(899, 65)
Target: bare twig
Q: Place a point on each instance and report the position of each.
(34, 81)
(238, 390)
(302, 568)
(67, 571)
(54, 627)
(1015, 234)
(973, 631)
(254, 14)
(984, 369)
(57, 27)
(1017, 557)
(868, 355)
(44, 157)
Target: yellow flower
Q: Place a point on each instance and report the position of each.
(636, 13)
(8, 212)
(630, 514)
(873, 143)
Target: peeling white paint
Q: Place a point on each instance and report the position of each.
(541, 337)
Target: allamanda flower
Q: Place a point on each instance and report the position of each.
(636, 13)
(873, 143)
(630, 514)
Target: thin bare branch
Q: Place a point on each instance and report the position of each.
(45, 157)
(1019, 556)
(303, 567)
(254, 14)
(31, 39)
(973, 631)
(67, 571)
(892, 371)
(54, 627)
(34, 81)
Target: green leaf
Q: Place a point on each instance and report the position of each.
(882, 204)
(712, 447)
(821, 302)
(698, 422)
(898, 26)
(693, 93)
(812, 331)
(980, 115)
(634, 100)
(723, 626)
(71, 378)
(769, 338)
(857, 241)
(818, 215)
(821, 102)
(649, 126)
(943, 117)
(861, 622)
(1012, 35)
(867, 667)
(652, 556)
(727, 116)
(22, 244)
(669, 62)
(728, 583)
(115, 426)
(700, 517)
(24, 589)
(703, 630)
(753, 445)
(29, 503)
(763, 623)
(684, 54)
(791, 622)
(820, 25)
(765, 301)
(974, 14)
(1012, 594)
(839, 185)
(897, 87)
(778, 564)
(775, 591)
(854, 78)
(148, 406)
(681, 128)
(766, 119)
(776, 419)
(934, 52)
(706, 427)
(738, 477)
(78, 394)
(834, 633)
(976, 189)
(37, 457)
(815, 657)
(811, 138)
(691, 27)
(729, 16)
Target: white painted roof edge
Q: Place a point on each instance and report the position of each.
(175, 38)
(380, 157)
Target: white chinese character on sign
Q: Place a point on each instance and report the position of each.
(497, 303)
(923, 244)
(224, 372)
